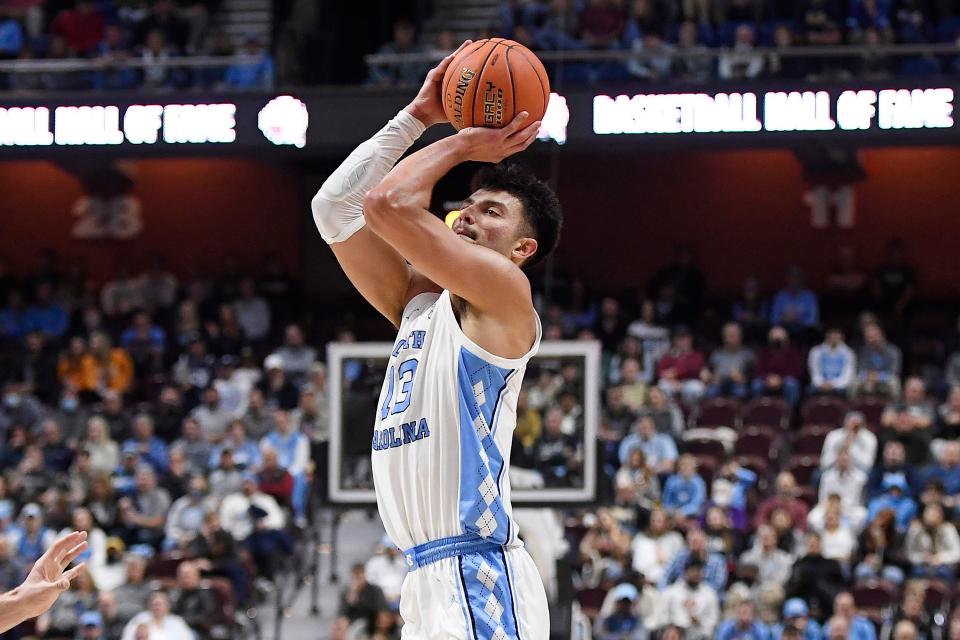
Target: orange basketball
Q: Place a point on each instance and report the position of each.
(493, 80)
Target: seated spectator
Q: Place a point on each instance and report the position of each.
(779, 368)
(654, 338)
(656, 60)
(730, 365)
(853, 517)
(946, 471)
(387, 569)
(632, 385)
(635, 484)
(784, 498)
(104, 453)
(721, 537)
(151, 449)
(11, 36)
(157, 623)
(713, 564)
(880, 549)
(253, 312)
(879, 364)
(685, 492)
(906, 629)
(46, 315)
(837, 539)
(729, 492)
(211, 416)
(254, 75)
(143, 515)
(615, 422)
(13, 317)
(623, 622)
(215, 553)
(915, 402)
(691, 604)
(893, 460)
(194, 369)
(815, 579)
(659, 449)
(855, 438)
(948, 416)
(896, 497)
(168, 413)
(234, 510)
(30, 538)
(113, 368)
(197, 606)
(740, 63)
(681, 370)
(868, 14)
(821, 21)
(655, 547)
(57, 455)
(76, 369)
(796, 614)
(156, 55)
(902, 427)
(278, 392)
(145, 342)
(646, 16)
(933, 546)
(605, 542)
(35, 366)
(226, 478)
(667, 416)
(296, 357)
(186, 514)
(745, 625)
(557, 455)
(773, 564)
(132, 595)
(832, 365)
(361, 600)
(857, 627)
(407, 74)
(194, 447)
(246, 453)
(795, 307)
(110, 625)
(844, 480)
(270, 548)
(273, 479)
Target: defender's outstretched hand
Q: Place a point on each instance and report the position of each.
(427, 107)
(493, 145)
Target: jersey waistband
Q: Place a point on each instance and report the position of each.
(435, 550)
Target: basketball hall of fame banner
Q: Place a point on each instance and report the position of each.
(564, 368)
(328, 122)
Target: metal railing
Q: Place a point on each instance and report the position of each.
(65, 65)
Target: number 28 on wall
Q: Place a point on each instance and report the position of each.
(399, 378)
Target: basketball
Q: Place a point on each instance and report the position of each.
(491, 81)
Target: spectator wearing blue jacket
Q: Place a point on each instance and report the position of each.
(845, 610)
(797, 615)
(795, 307)
(13, 318)
(832, 365)
(744, 625)
(46, 315)
(895, 496)
(253, 75)
(947, 471)
(729, 490)
(685, 492)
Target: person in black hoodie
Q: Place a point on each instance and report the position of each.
(195, 605)
(816, 579)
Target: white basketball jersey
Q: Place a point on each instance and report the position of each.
(443, 430)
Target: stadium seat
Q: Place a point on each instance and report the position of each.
(937, 597)
(803, 467)
(719, 412)
(709, 448)
(767, 411)
(809, 440)
(591, 600)
(873, 597)
(872, 410)
(758, 464)
(707, 468)
(824, 410)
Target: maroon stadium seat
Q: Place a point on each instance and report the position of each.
(754, 444)
(809, 440)
(766, 411)
(937, 597)
(591, 600)
(701, 447)
(873, 597)
(707, 468)
(719, 412)
(872, 410)
(803, 467)
(824, 410)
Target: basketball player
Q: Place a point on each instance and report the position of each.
(467, 328)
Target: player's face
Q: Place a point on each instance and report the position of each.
(494, 219)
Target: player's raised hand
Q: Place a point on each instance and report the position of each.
(47, 579)
(427, 107)
(493, 145)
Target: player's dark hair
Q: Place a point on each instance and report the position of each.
(541, 207)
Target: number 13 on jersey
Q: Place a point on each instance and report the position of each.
(399, 379)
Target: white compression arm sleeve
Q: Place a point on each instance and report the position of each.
(338, 206)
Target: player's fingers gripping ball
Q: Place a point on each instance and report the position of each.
(490, 81)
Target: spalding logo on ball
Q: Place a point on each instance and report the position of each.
(493, 80)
